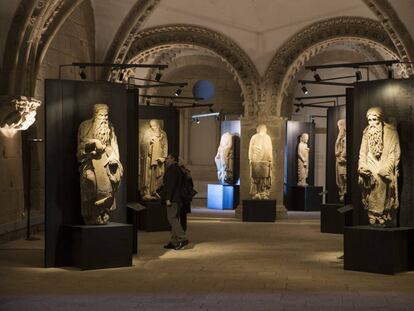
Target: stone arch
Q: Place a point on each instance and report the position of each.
(310, 41)
(169, 36)
(35, 23)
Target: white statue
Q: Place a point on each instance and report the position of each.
(340, 154)
(22, 117)
(153, 152)
(224, 159)
(100, 167)
(303, 160)
(260, 161)
(379, 157)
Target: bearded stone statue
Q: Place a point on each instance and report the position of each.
(379, 157)
(340, 154)
(153, 152)
(99, 165)
(224, 159)
(303, 160)
(260, 161)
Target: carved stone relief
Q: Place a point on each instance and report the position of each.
(340, 155)
(224, 159)
(303, 159)
(378, 171)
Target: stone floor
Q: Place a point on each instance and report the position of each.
(229, 265)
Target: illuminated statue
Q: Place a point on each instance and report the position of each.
(22, 117)
(100, 167)
(379, 157)
(153, 152)
(224, 159)
(260, 160)
(303, 160)
(340, 154)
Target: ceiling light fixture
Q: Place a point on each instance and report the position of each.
(358, 75)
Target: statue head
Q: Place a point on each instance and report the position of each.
(342, 127)
(374, 116)
(261, 129)
(101, 127)
(100, 112)
(154, 125)
(304, 138)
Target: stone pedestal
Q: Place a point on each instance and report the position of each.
(222, 196)
(378, 250)
(306, 198)
(154, 217)
(98, 246)
(333, 220)
(259, 210)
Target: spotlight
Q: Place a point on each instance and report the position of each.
(297, 109)
(358, 75)
(390, 72)
(197, 121)
(158, 76)
(317, 77)
(148, 102)
(82, 73)
(305, 90)
(210, 109)
(178, 92)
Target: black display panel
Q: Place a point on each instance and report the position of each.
(67, 104)
(293, 132)
(396, 97)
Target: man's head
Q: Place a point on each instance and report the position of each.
(261, 129)
(171, 158)
(304, 138)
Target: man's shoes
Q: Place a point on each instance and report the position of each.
(170, 246)
(181, 245)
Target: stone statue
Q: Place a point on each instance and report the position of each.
(260, 160)
(340, 154)
(224, 159)
(303, 159)
(100, 167)
(379, 156)
(153, 152)
(22, 117)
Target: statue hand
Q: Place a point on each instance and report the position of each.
(99, 145)
(364, 172)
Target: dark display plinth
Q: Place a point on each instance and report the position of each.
(134, 209)
(378, 250)
(332, 220)
(98, 246)
(306, 198)
(259, 210)
(154, 217)
(222, 196)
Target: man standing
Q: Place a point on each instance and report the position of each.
(379, 157)
(173, 180)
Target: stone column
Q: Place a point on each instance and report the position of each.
(276, 129)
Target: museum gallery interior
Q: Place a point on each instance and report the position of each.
(207, 155)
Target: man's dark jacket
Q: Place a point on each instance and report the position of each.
(173, 179)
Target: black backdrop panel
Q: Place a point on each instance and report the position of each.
(171, 125)
(293, 132)
(396, 97)
(67, 104)
(334, 115)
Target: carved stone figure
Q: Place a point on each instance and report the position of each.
(153, 152)
(22, 117)
(340, 154)
(303, 159)
(379, 157)
(224, 159)
(99, 165)
(260, 160)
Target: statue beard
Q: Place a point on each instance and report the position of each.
(375, 140)
(102, 131)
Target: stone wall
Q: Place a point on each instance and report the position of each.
(73, 43)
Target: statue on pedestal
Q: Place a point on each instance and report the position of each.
(99, 165)
(153, 152)
(303, 159)
(224, 159)
(379, 157)
(340, 154)
(260, 161)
